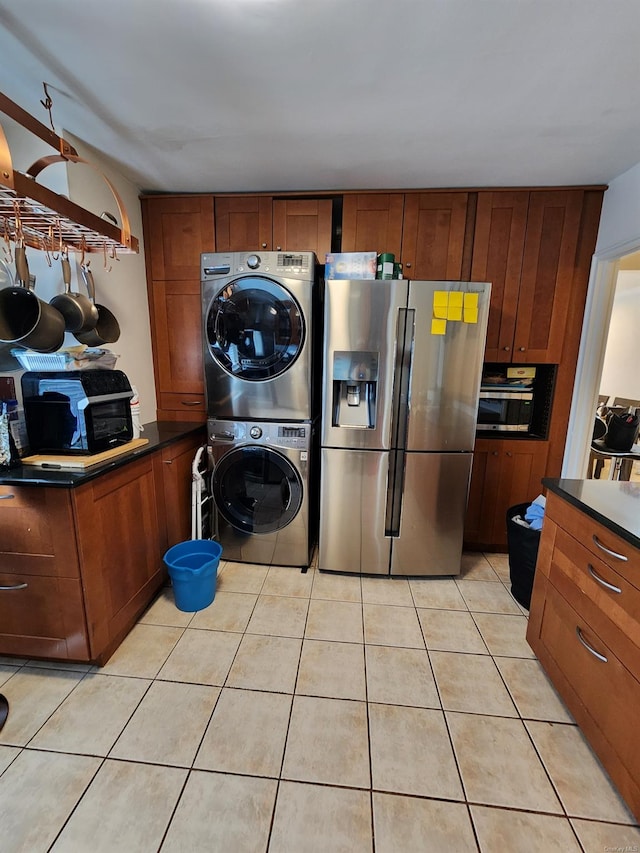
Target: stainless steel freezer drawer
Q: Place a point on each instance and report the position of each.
(434, 502)
(352, 512)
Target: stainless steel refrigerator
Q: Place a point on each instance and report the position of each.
(401, 378)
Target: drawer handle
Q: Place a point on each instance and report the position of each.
(607, 551)
(588, 647)
(6, 497)
(16, 586)
(191, 402)
(602, 581)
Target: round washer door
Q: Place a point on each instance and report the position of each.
(256, 489)
(254, 328)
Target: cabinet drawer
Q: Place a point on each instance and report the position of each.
(37, 535)
(614, 551)
(606, 689)
(184, 403)
(615, 602)
(42, 617)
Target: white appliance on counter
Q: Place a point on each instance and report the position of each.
(401, 378)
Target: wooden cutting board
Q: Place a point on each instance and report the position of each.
(81, 462)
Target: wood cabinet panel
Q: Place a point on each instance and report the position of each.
(243, 223)
(36, 532)
(44, 619)
(372, 222)
(433, 236)
(177, 460)
(498, 248)
(505, 472)
(177, 327)
(303, 225)
(177, 231)
(546, 286)
(586, 637)
(120, 507)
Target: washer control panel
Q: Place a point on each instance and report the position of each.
(285, 435)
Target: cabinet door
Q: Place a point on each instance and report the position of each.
(243, 223)
(177, 335)
(506, 472)
(372, 222)
(177, 461)
(177, 231)
(498, 247)
(125, 507)
(433, 236)
(553, 230)
(303, 225)
(485, 479)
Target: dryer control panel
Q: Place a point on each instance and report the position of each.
(286, 264)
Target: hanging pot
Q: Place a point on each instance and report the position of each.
(25, 319)
(79, 312)
(107, 329)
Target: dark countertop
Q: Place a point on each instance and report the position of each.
(159, 433)
(614, 503)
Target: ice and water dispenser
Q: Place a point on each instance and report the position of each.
(355, 381)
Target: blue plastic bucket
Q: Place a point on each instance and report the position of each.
(193, 569)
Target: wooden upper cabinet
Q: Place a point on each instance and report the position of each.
(498, 248)
(433, 236)
(303, 225)
(243, 223)
(372, 222)
(177, 231)
(177, 338)
(546, 283)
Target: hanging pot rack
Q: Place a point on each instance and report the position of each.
(43, 219)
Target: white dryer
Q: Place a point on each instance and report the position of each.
(258, 334)
(263, 491)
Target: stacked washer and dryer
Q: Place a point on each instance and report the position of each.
(261, 343)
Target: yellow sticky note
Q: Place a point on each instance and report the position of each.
(470, 307)
(455, 306)
(438, 326)
(440, 305)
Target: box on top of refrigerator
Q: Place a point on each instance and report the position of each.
(351, 265)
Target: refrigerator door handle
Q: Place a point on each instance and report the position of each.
(402, 377)
(399, 419)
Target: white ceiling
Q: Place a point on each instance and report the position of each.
(278, 95)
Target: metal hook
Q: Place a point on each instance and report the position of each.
(47, 104)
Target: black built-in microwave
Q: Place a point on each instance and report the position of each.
(505, 410)
(77, 411)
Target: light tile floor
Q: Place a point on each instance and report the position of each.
(307, 713)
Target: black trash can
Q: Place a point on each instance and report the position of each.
(523, 543)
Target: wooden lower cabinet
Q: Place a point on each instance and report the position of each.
(79, 566)
(583, 627)
(505, 472)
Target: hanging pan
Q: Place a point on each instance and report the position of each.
(107, 329)
(79, 312)
(25, 319)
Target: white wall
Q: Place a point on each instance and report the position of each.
(618, 235)
(123, 290)
(620, 374)
(620, 219)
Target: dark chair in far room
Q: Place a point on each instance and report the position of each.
(621, 460)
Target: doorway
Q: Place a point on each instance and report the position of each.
(612, 273)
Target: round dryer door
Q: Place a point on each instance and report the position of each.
(256, 489)
(254, 328)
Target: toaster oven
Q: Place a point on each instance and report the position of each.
(77, 411)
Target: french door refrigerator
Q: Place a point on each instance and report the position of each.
(401, 379)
